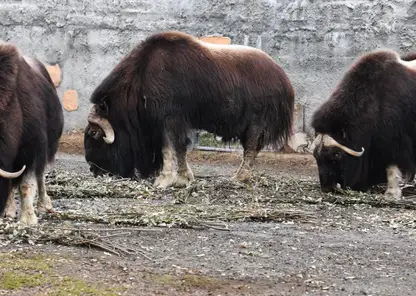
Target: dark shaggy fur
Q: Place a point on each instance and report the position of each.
(374, 106)
(31, 118)
(170, 84)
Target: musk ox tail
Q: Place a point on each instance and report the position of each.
(278, 116)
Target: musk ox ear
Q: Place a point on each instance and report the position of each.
(103, 106)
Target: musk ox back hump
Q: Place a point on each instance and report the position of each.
(222, 88)
(355, 102)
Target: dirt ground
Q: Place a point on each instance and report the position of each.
(281, 237)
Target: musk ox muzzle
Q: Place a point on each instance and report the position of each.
(327, 189)
(12, 175)
(97, 171)
(104, 124)
(328, 141)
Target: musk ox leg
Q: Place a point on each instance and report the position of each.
(10, 210)
(393, 178)
(185, 174)
(252, 145)
(44, 201)
(27, 190)
(168, 175)
(244, 171)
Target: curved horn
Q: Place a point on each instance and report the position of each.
(10, 175)
(104, 124)
(315, 143)
(329, 141)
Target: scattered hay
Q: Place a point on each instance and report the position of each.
(207, 203)
(262, 190)
(71, 185)
(69, 236)
(196, 217)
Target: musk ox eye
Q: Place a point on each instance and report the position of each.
(96, 134)
(337, 155)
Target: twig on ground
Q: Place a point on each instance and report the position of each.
(111, 229)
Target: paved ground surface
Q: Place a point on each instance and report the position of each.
(342, 250)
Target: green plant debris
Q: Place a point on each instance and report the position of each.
(69, 286)
(20, 261)
(16, 280)
(19, 271)
(190, 216)
(260, 190)
(70, 185)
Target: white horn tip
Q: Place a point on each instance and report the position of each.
(361, 153)
(20, 172)
(108, 140)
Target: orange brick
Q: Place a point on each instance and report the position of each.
(54, 73)
(70, 100)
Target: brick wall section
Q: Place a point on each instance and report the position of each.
(314, 41)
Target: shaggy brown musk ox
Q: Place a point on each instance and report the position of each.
(30, 127)
(172, 83)
(366, 130)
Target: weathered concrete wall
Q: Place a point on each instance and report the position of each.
(315, 40)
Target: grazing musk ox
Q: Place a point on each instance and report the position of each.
(366, 131)
(30, 128)
(172, 83)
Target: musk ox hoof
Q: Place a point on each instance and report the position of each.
(393, 193)
(242, 176)
(164, 181)
(184, 180)
(45, 207)
(28, 219)
(10, 211)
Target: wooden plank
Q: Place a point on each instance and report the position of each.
(216, 39)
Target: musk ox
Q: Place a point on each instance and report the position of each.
(366, 130)
(31, 125)
(173, 83)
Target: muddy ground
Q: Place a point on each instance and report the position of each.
(276, 236)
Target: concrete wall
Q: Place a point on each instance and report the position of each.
(314, 40)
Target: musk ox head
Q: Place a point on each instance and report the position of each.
(105, 151)
(122, 136)
(337, 163)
